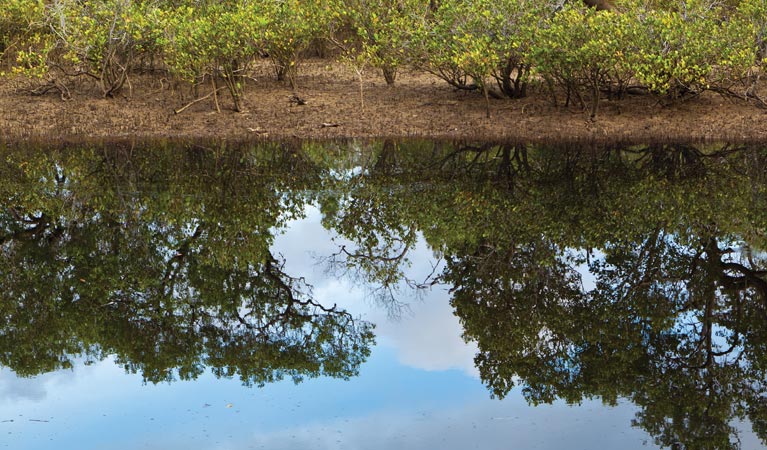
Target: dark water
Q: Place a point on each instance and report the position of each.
(420, 294)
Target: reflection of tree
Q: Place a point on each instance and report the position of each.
(515, 311)
(162, 259)
(676, 305)
(364, 206)
(675, 321)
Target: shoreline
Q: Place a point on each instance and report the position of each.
(418, 106)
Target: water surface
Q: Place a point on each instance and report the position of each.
(380, 295)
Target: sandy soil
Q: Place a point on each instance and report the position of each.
(419, 105)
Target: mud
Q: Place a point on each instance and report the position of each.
(418, 105)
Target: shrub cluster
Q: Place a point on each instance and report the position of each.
(498, 47)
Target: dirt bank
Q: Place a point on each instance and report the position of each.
(419, 105)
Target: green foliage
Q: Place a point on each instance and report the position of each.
(293, 26)
(24, 40)
(583, 48)
(755, 13)
(681, 47)
(218, 41)
(452, 47)
(483, 40)
(514, 25)
(19, 20)
(383, 31)
(103, 39)
(691, 48)
(671, 47)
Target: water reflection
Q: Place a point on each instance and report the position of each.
(669, 236)
(161, 259)
(581, 273)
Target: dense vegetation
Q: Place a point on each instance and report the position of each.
(572, 52)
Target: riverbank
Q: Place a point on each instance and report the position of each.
(418, 105)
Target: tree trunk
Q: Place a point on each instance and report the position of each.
(389, 74)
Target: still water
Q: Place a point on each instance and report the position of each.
(410, 295)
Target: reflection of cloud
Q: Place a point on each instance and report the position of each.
(36, 389)
(46, 387)
(14, 388)
(428, 337)
(485, 425)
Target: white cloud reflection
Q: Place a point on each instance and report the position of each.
(483, 425)
(427, 336)
(15, 388)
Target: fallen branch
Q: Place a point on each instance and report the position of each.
(183, 108)
(749, 96)
(50, 85)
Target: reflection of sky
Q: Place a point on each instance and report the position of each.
(419, 390)
(388, 406)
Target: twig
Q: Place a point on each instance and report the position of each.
(215, 93)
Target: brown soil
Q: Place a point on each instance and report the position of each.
(419, 105)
